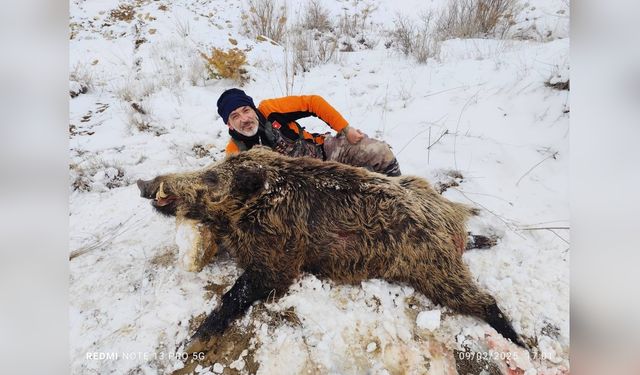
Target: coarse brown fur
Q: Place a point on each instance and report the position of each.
(280, 216)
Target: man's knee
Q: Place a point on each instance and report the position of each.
(370, 146)
(378, 157)
(369, 153)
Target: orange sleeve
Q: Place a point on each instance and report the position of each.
(231, 148)
(303, 106)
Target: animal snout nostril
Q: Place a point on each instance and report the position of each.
(143, 186)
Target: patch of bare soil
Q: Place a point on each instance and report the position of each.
(235, 349)
(165, 258)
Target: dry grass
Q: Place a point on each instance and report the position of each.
(84, 174)
(476, 18)
(353, 24)
(135, 90)
(105, 238)
(227, 64)
(311, 41)
(201, 151)
(315, 40)
(414, 40)
(559, 85)
(267, 19)
(403, 34)
(354, 30)
(558, 80)
(138, 120)
(80, 79)
(310, 50)
(316, 17)
(124, 12)
(460, 19)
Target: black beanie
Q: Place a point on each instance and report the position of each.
(230, 100)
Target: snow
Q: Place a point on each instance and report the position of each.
(186, 236)
(371, 347)
(218, 368)
(501, 127)
(429, 320)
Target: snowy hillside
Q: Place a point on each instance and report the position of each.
(488, 116)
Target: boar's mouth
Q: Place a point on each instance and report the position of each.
(162, 200)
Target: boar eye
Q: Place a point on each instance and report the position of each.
(210, 178)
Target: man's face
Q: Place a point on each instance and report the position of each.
(244, 120)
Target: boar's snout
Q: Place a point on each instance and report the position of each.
(146, 190)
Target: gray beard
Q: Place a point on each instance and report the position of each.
(249, 133)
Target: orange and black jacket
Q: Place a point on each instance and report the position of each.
(288, 109)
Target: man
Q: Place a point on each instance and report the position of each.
(273, 124)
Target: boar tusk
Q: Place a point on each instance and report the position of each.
(161, 194)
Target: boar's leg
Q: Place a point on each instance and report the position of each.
(448, 282)
(249, 287)
(272, 271)
(496, 319)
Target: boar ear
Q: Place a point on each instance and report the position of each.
(249, 180)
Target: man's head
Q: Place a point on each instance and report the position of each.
(238, 111)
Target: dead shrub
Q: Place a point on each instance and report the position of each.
(141, 119)
(353, 30)
(81, 181)
(310, 50)
(143, 123)
(417, 41)
(316, 17)
(96, 173)
(326, 49)
(124, 12)
(403, 34)
(311, 40)
(558, 85)
(114, 177)
(227, 64)
(200, 150)
(476, 18)
(196, 70)
(80, 79)
(267, 19)
(426, 44)
(559, 78)
(133, 89)
(353, 24)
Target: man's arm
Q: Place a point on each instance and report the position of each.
(296, 107)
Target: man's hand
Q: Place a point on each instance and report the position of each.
(354, 135)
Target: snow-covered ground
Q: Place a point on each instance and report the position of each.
(484, 109)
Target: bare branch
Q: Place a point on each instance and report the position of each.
(545, 228)
(110, 235)
(446, 131)
(537, 164)
(429, 147)
(506, 223)
(417, 134)
(455, 138)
